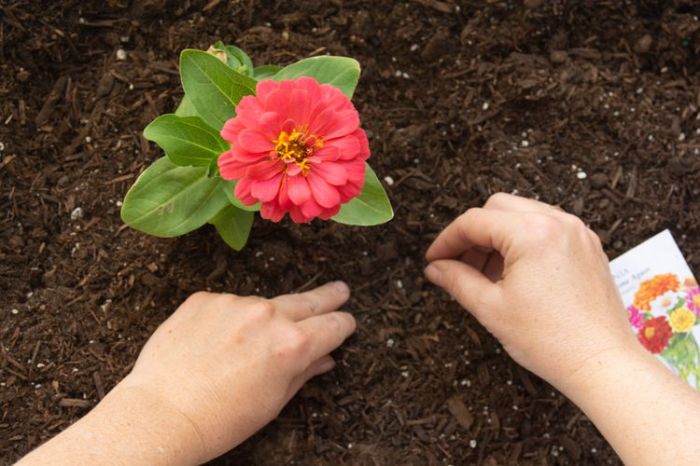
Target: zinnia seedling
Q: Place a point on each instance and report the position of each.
(245, 139)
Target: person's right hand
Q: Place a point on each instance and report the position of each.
(536, 278)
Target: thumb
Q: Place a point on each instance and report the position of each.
(463, 282)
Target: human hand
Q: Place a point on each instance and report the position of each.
(537, 279)
(229, 364)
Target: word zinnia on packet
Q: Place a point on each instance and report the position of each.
(281, 141)
(663, 303)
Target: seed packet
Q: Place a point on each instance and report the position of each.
(662, 298)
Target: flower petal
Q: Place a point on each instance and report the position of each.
(266, 190)
(265, 169)
(253, 141)
(298, 189)
(325, 194)
(271, 211)
(311, 209)
(333, 173)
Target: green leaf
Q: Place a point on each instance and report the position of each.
(371, 207)
(233, 225)
(185, 108)
(341, 72)
(266, 72)
(213, 88)
(168, 200)
(228, 187)
(186, 140)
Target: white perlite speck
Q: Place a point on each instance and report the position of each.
(121, 54)
(77, 213)
(389, 180)
(581, 175)
(472, 443)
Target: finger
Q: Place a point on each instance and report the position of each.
(476, 257)
(327, 332)
(493, 270)
(467, 285)
(318, 367)
(321, 300)
(491, 229)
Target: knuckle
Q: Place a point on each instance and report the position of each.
(199, 297)
(497, 199)
(544, 229)
(296, 340)
(261, 311)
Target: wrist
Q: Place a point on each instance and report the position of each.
(147, 426)
(600, 371)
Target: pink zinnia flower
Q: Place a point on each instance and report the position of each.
(297, 147)
(692, 300)
(635, 317)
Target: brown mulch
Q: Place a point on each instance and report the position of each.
(589, 105)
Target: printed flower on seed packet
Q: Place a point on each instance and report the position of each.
(666, 302)
(682, 319)
(635, 317)
(651, 289)
(690, 283)
(692, 300)
(655, 334)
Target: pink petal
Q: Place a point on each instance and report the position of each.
(264, 87)
(283, 199)
(310, 209)
(327, 152)
(299, 107)
(298, 189)
(293, 169)
(253, 141)
(231, 129)
(364, 143)
(333, 173)
(349, 146)
(330, 124)
(356, 171)
(277, 101)
(266, 190)
(325, 194)
(265, 169)
(327, 214)
(344, 122)
(297, 217)
(242, 191)
(271, 211)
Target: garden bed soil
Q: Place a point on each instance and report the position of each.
(589, 105)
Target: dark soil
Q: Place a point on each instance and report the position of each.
(459, 102)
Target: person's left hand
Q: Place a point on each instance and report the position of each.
(229, 364)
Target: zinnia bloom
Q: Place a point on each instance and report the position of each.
(667, 301)
(651, 289)
(655, 334)
(682, 320)
(692, 300)
(297, 147)
(635, 317)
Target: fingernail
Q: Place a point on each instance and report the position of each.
(342, 287)
(433, 274)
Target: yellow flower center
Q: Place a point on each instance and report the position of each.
(696, 300)
(649, 333)
(682, 320)
(296, 147)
